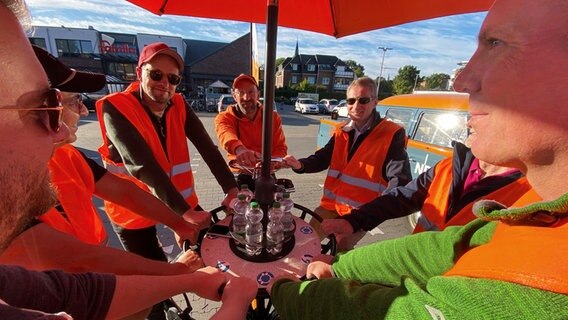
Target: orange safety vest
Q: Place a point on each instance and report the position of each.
(350, 184)
(176, 163)
(529, 255)
(435, 208)
(75, 184)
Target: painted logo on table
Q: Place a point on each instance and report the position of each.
(306, 230)
(307, 258)
(264, 278)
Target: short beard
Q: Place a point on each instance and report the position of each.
(21, 204)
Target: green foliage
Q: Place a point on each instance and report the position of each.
(278, 62)
(405, 79)
(386, 89)
(437, 81)
(304, 86)
(358, 69)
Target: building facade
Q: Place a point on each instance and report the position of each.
(325, 71)
(116, 55)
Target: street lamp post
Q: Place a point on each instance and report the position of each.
(385, 49)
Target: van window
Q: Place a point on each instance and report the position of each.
(441, 128)
(401, 117)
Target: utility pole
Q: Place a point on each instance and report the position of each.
(385, 49)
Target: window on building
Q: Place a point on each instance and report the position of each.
(294, 79)
(311, 67)
(340, 68)
(123, 71)
(40, 42)
(295, 67)
(311, 80)
(73, 48)
(325, 81)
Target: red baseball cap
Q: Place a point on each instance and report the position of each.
(156, 48)
(243, 77)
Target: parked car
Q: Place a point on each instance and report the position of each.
(341, 109)
(90, 99)
(224, 101)
(305, 105)
(329, 104)
(322, 108)
(274, 105)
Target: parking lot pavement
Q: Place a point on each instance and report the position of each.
(300, 131)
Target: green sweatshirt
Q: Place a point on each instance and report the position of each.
(403, 279)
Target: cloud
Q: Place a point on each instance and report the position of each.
(433, 46)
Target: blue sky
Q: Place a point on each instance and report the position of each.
(433, 46)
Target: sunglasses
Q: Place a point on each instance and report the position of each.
(75, 103)
(361, 100)
(51, 111)
(157, 75)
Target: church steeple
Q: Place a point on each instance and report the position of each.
(297, 52)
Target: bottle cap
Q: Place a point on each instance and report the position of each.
(241, 197)
(254, 205)
(276, 205)
(286, 195)
(244, 186)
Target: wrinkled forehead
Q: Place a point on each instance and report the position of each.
(24, 80)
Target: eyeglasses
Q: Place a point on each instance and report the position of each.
(361, 100)
(75, 103)
(51, 110)
(157, 75)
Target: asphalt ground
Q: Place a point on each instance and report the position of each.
(300, 130)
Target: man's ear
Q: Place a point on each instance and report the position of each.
(139, 73)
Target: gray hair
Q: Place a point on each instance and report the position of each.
(20, 10)
(364, 82)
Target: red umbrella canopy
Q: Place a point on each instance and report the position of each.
(337, 18)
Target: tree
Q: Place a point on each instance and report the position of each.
(278, 62)
(386, 89)
(405, 79)
(358, 69)
(437, 81)
(304, 86)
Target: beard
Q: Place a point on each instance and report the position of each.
(29, 196)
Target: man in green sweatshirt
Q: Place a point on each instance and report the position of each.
(511, 262)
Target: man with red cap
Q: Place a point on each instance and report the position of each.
(144, 131)
(239, 128)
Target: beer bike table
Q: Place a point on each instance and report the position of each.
(221, 252)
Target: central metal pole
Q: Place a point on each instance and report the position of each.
(264, 186)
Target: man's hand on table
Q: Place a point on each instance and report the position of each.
(341, 228)
(229, 197)
(320, 267)
(206, 283)
(191, 260)
(247, 157)
(237, 296)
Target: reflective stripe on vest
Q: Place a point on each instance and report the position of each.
(349, 184)
(176, 163)
(361, 183)
(75, 185)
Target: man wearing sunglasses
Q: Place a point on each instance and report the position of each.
(30, 125)
(145, 130)
(74, 223)
(365, 157)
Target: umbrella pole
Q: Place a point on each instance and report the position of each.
(264, 185)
